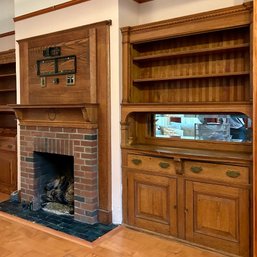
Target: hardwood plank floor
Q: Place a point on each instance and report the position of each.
(20, 238)
(4, 197)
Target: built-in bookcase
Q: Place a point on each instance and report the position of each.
(8, 124)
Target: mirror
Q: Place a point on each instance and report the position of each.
(211, 127)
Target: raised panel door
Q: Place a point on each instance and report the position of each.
(218, 217)
(8, 172)
(152, 203)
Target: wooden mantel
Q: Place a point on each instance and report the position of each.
(58, 115)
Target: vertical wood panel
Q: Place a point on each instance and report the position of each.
(254, 127)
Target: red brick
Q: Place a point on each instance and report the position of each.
(31, 127)
(93, 169)
(64, 135)
(80, 186)
(76, 136)
(90, 150)
(76, 142)
(79, 161)
(70, 130)
(89, 206)
(78, 149)
(54, 129)
(89, 155)
(89, 143)
(43, 128)
(48, 134)
(79, 174)
(91, 162)
(87, 131)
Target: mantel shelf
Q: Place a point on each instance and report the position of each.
(162, 56)
(227, 74)
(50, 106)
(210, 107)
(58, 115)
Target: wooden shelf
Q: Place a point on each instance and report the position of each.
(162, 56)
(228, 74)
(221, 107)
(5, 108)
(7, 75)
(8, 90)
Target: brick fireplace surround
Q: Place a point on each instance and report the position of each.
(81, 143)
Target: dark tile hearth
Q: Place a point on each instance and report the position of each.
(62, 223)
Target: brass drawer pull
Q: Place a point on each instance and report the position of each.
(136, 161)
(164, 165)
(233, 174)
(196, 169)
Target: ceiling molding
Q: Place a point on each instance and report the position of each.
(49, 9)
(6, 34)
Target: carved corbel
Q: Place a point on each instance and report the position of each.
(89, 114)
(18, 115)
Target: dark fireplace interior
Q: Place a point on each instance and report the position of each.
(54, 183)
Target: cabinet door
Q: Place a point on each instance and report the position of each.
(8, 172)
(218, 217)
(152, 203)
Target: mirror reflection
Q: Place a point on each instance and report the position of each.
(211, 127)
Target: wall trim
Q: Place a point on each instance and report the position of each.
(6, 34)
(48, 9)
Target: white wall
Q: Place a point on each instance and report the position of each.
(7, 43)
(26, 6)
(162, 9)
(7, 13)
(7, 24)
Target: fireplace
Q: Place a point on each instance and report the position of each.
(54, 179)
(76, 146)
(65, 109)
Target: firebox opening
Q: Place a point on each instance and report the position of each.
(54, 183)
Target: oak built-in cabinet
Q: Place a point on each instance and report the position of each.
(184, 186)
(8, 124)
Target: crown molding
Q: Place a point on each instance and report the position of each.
(49, 9)
(6, 34)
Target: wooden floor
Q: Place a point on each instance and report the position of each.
(19, 238)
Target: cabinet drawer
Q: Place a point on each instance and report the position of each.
(162, 165)
(7, 145)
(226, 173)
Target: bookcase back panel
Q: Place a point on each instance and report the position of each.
(210, 40)
(207, 67)
(224, 89)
